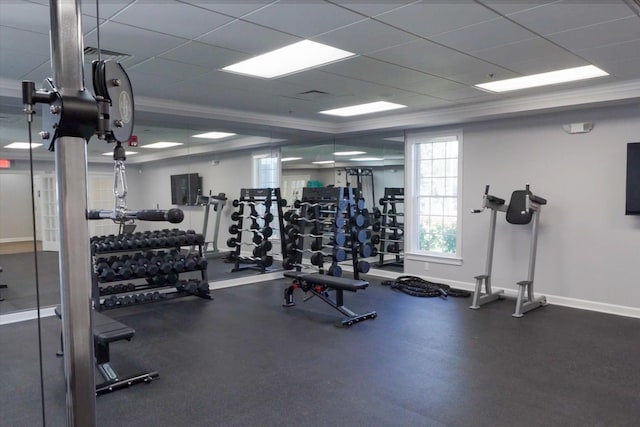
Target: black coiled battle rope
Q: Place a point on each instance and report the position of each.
(417, 287)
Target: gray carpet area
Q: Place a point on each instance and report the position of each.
(244, 360)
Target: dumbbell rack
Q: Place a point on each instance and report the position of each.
(250, 199)
(120, 289)
(326, 218)
(391, 230)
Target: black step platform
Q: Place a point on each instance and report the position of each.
(105, 331)
(319, 285)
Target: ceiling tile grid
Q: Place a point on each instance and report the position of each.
(303, 19)
(176, 19)
(429, 53)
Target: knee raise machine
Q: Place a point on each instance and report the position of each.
(523, 208)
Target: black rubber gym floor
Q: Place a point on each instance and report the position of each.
(243, 360)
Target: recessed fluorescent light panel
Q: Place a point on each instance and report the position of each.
(324, 162)
(127, 153)
(348, 153)
(213, 135)
(289, 59)
(366, 159)
(162, 144)
(544, 79)
(356, 110)
(290, 159)
(22, 145)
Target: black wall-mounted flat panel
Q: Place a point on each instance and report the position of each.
(633, 179)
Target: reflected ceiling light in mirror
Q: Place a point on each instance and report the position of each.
(288, 60)
(213, 135)
(544, 79)
(366, 159)
(290, 159)
(127, 153)
(348, 153)
(324, 162)
(162, 144)
(356, 110)
(22, 145)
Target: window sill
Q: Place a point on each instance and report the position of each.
(433, 259)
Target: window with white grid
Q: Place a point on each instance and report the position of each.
(437, 162)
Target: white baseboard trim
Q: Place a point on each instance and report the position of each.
(25, 315)
(16, 239)
(601, 307)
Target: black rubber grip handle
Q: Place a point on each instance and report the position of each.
(99, 214)
(173, 216)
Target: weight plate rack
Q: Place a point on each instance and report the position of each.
(261, 207)
(144, 267)
(390, 224)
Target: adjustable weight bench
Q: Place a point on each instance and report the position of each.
(105, 331)
(319, 285)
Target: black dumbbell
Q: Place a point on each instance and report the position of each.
(110, 302)
(363, 267)
(335, 270)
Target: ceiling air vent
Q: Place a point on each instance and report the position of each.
(91, 53)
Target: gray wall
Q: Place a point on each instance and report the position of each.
(149, 185)
(588, 249)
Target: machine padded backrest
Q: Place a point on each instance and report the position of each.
(516, 208)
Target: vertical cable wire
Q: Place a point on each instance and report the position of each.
(35, 261)
(98, 28)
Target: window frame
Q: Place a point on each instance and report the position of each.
(412, 170)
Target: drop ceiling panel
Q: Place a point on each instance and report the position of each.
(29, 42)
(432, 85)
(512, 53)
(542, 64)
(232, 8)
(621, 59)
(482, 73)
(303, 19)
(617, 31)
(462, 94)
(423, 101)
(365, 36)
(430, 18)
(39, 74)
(248, 38)
(567, 15)
(333, 84)
(454, 64)
(32, 16)
(107, 8)
(484, 35)
(372, 7)
(417, 52)
(170, 70)
(506, 7)
(177, 19)
(372, 70)
(141, 43)
(204, 55)
(14, 63)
